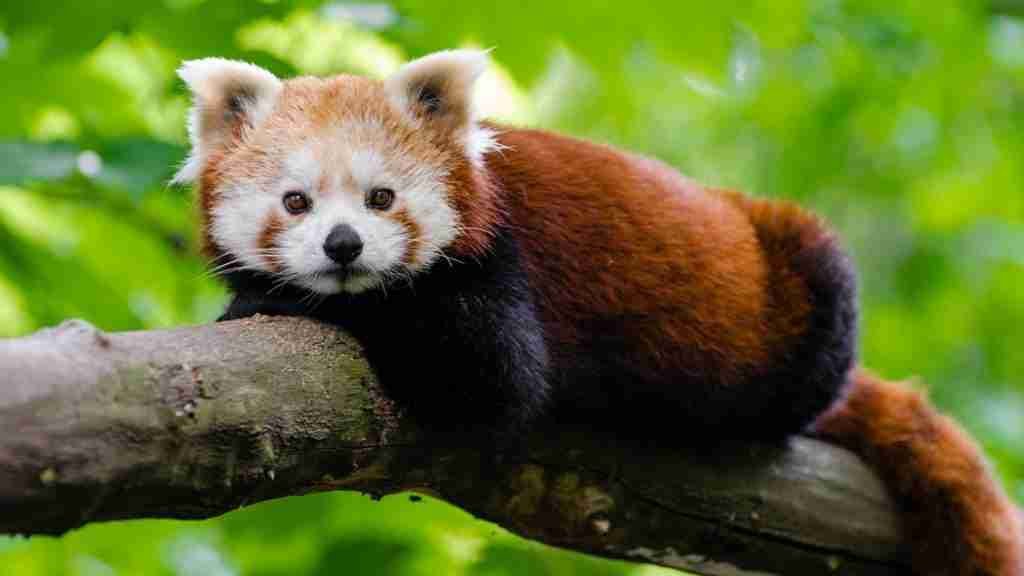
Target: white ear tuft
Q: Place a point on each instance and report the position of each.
(228, 97)
(439, 86)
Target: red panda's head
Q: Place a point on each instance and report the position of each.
(339, 184)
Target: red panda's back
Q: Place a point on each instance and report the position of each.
(622, 250)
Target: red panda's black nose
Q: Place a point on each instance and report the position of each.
(343, 244)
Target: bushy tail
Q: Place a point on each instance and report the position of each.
(957, 518)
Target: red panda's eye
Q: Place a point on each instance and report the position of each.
(296, 202)
(380, 198)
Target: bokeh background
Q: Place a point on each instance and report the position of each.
(902, 121)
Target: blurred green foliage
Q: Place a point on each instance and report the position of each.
(901, 121)
(322, 535)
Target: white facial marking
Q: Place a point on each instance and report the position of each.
(425, 197)
(238, 221)
(302, 169)
(367, 168)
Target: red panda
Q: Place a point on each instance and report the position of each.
(536, 274)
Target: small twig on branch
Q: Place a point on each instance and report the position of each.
(195, 422)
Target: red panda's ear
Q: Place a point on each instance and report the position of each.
(228, 97)
(439, 87)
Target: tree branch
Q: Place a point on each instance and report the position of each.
(195, 422)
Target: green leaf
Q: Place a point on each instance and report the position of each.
(133, 164)
(25, 162)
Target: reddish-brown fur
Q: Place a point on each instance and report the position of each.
(272, 228)
(210, 177)
(412, 229)
(685, 260)
(957, 519)
(475, 199)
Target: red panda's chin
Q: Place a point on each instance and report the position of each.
(330, 284)
(360, 283)
(326, 284)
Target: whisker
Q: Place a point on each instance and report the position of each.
(281, 282)
(321, 300)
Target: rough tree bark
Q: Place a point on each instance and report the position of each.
(195, 422)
